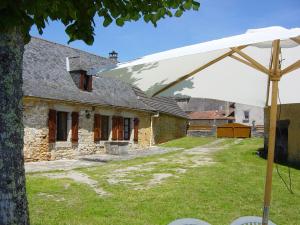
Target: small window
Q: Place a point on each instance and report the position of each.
(86, 82)
(246, 116)
(104, 127)
(62, 126)
(127, 130)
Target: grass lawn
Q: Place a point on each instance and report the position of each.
(217, 192)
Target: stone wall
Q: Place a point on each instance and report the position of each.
(167, 127)
(145, 131)
(289, 112)
(35, 119)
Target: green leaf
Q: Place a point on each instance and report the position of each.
(147, 18)
(169, 13)
(162, 12)
(188, 5)
(196, 6)
(136, 17)
(120, 22)
(107, 21)
(178, 13)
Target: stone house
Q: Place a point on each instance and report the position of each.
(68, 111)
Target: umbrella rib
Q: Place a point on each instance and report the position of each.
(192, 73)
(296, 39)
(291, 68)
(247, 63)
(258, 66)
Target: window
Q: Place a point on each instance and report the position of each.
(136, 122)
(62, 126)
(246, 117)
(117, 128)
(104, 127)
(127, 130)
(86, 82)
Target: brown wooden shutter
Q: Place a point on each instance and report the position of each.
(81, 80)
(90, 83)
(75, 121)
(114, 128)
(136, 130)
(52, 126)
(97, 127)
(120, 128)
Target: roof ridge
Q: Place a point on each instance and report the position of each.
(67, 46)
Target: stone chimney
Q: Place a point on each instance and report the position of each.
(113, 56)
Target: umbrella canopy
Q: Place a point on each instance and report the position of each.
(218, 69)
(248, 68)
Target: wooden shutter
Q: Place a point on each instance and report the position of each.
(75, 121)
(81, 80)
(97, 127)
(114, 128)
(90, 83)
(136, 130)
(120, 128)
(52, 126)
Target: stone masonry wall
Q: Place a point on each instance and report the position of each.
(36, 146)
(167, 127)
(145, 132)
(35, 120)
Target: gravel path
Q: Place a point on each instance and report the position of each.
(92, 160)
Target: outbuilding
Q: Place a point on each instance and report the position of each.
(287, 133)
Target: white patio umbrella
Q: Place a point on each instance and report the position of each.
(242, 69)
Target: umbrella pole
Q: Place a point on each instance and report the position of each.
(271, 147)
(274, 77)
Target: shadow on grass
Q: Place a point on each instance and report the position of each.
(263, 154)
(95, 160)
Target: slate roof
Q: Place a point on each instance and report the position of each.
(162, 104)
(45, 76)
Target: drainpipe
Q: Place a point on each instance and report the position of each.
(151, 128)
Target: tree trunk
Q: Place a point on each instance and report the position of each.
(13, 201)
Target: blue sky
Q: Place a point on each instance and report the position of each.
(215, 19)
